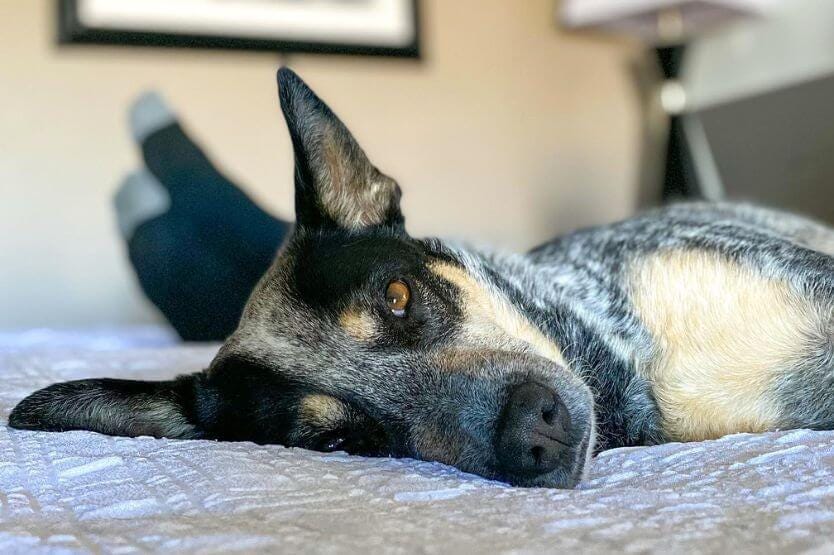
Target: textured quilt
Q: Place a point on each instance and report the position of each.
(85, 492)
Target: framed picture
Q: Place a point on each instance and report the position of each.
(364, 27)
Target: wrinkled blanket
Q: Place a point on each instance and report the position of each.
(85, 492)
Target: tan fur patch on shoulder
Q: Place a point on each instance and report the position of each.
(321, 410)
(725, 334)
(491, 321)
(359, 325)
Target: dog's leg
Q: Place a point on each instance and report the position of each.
(116, 407)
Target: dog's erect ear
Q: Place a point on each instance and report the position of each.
(335, 183)
(114, 407)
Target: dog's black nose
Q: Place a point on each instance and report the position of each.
(532, 431)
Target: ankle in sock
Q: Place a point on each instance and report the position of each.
(197, 287)
(219, 209)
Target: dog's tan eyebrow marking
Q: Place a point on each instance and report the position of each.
(491, 320)
(358, 324)
(321, 410)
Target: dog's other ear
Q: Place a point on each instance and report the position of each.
(115, 407)
(335, 183)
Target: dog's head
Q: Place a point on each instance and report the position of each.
(387, 345)
(363, 339)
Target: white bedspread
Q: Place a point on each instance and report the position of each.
(81, 492)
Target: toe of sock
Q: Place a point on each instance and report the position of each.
(149, 113)
(139, 198)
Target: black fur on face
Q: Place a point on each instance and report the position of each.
(241, 400)
(321, 360)
(339, 274)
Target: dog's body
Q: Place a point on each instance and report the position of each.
(692, 321)
(686, 323)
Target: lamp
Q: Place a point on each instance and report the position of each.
(658, 21)
(667, 25)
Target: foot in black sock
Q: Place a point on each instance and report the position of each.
(197, 286)
(220, 211)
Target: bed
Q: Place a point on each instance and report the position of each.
(85, 492)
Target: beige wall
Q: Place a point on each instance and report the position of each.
(509, 131)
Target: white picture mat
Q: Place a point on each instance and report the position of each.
(377, 22)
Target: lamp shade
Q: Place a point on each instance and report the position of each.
(658, 21)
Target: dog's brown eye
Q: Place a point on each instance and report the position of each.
(397, 296)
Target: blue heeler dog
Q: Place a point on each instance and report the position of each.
(683, 324)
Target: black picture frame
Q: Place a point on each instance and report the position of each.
(72, 31)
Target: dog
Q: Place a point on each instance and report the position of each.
(685, 323)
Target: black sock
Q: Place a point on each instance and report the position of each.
(199, 289)
(222, 213)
